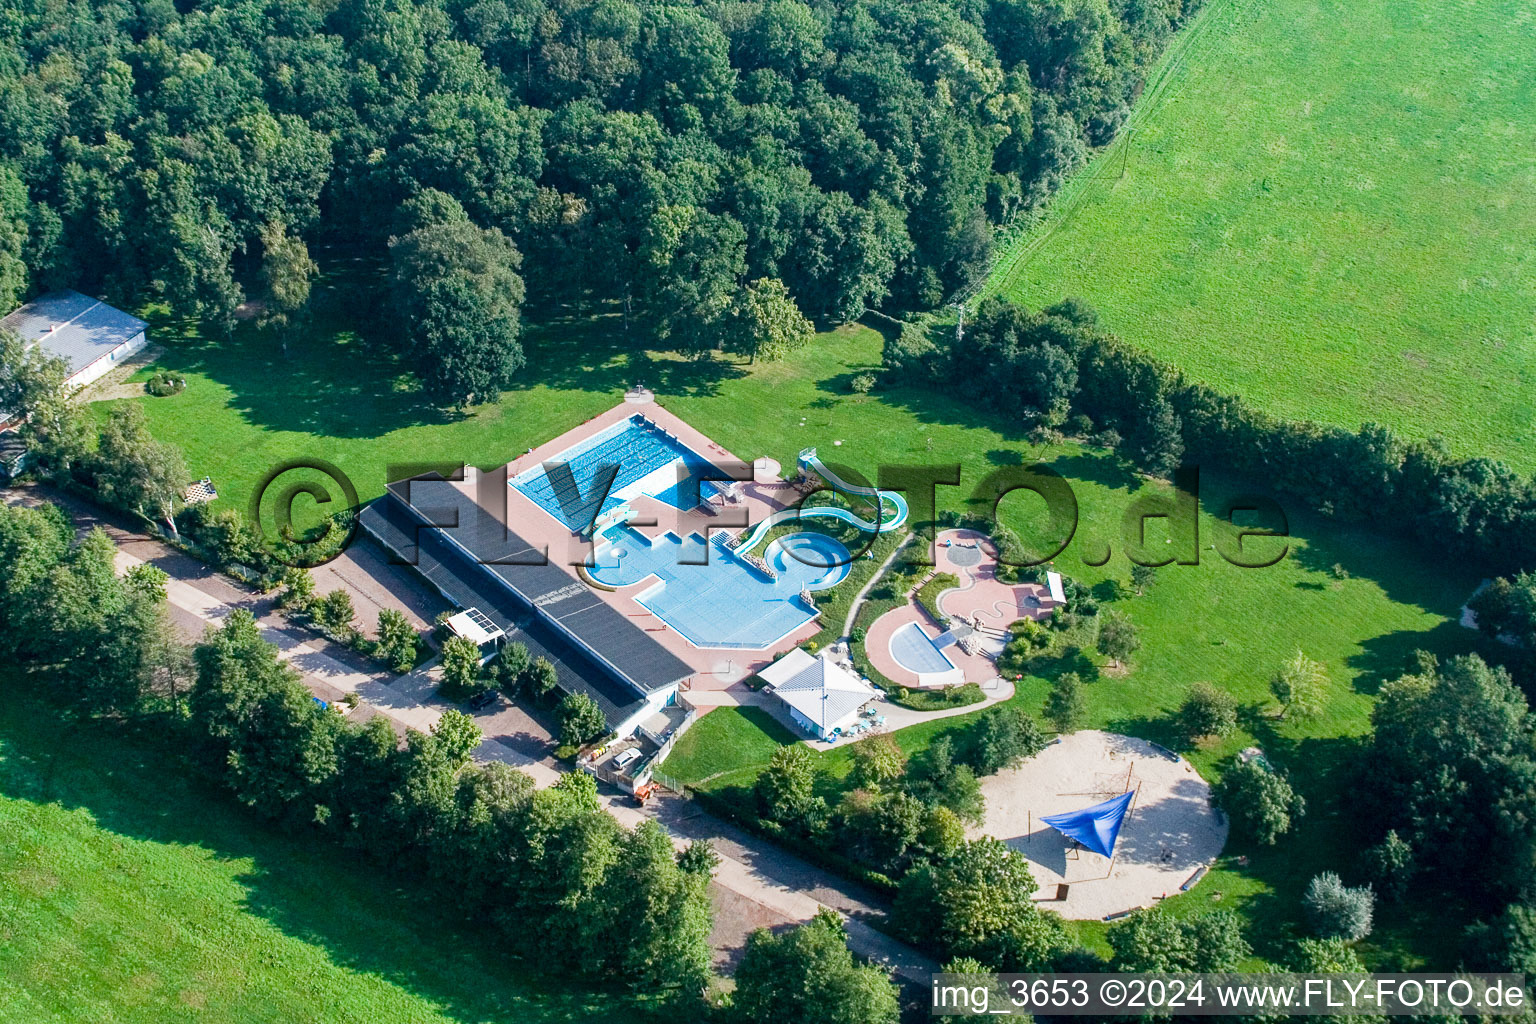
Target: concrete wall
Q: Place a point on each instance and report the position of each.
(108, 362)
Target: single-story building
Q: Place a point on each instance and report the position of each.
(508, 590)
(822, 697)
(89, 335)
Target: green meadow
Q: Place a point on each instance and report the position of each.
(131, 893)
(1327, 208)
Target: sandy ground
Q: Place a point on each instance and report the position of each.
(1171, 830)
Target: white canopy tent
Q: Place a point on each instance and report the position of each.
(821, 695)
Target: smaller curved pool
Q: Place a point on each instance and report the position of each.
(815, 560)
(915, 652)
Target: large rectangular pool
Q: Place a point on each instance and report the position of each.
(629, 452)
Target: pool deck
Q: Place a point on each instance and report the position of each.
(981, 595)
(717, 669)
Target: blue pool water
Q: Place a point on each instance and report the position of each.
(915, 652)
(636, 448)
(726, 602)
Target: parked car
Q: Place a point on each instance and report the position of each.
(627, 757)
(482, 701)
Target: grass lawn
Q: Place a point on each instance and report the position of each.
(727, 746)
(1213, 622)
(130, 894)
(1325, 207)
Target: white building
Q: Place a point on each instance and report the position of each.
(821, 695)
(89, 335)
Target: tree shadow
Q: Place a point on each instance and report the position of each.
(342, 375)
(366, 918)
(1163, 730)
(589, 348)
(1104, 468)
(943, 409)
(1386, 657)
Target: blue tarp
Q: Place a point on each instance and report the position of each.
(1096, 827)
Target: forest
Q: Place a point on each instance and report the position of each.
(724, 171)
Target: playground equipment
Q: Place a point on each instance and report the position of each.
(809, 463)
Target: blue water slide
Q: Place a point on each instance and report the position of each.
(888, 520)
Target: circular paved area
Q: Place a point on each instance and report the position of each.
(964, 557)
(981, 596)
(1170, 832)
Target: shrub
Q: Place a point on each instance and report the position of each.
(786, 789)
(1338, 911)
(938, 700)
(223, 537)
(1001, 738)
(540, 681)
(163, 384)
(1300, 686)
(507, 670)
(581, 720)
(1259, 801)
(928, 594)
(334, 611)
(1106, 439)
(877, 762)
(1207, 711)
(1064, 707)
(461, 669)
(297, 590)
(1389, 865)
(863, 384)
(1505, 944)
(1117, 637)
(397, 641)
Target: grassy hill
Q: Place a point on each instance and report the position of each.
(1325, 207)
(129, 893)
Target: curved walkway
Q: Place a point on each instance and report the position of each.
(897, 717)
(977, 668)
(982, 597)
(858, 599)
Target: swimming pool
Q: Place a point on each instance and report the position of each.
(727, 602)
(915, 652)
(643, 460)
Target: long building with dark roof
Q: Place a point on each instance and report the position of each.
(476, 561)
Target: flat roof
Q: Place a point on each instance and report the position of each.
(490, 550)
(74, 327)
(468, 586)
(475, 626)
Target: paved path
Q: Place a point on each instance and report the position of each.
(780, 887)
(858, 599)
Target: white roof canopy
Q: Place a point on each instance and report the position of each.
(824, 693)
(475, 626)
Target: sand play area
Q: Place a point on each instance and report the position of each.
(1170, 833)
